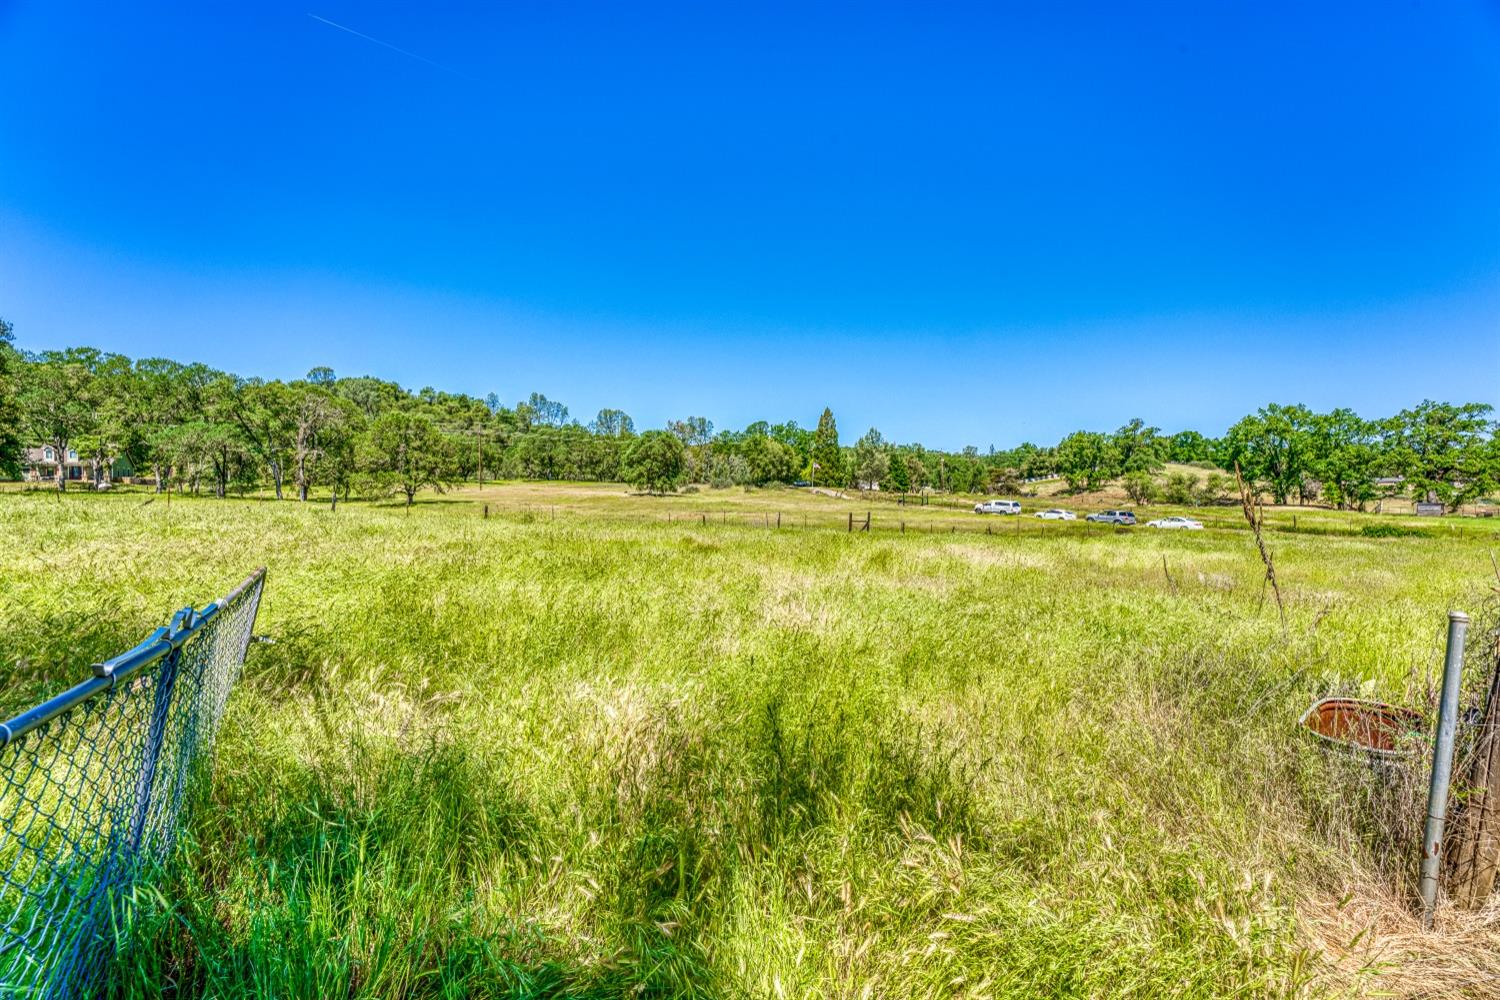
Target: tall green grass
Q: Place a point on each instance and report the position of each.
(604, 757)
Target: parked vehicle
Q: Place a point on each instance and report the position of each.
(998, 507)
(1057, 514)
(1176, 522)
(1112, 517)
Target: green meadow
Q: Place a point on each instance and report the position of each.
(594, 744)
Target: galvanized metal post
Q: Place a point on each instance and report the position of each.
(1442, 765)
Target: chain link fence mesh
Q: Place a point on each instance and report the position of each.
(92, 784)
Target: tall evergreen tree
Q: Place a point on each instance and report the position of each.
(828, 461)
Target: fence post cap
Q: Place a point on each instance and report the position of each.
(1458, 616)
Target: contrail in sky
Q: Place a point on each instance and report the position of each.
(393, 48)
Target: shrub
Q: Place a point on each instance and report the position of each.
(1180, 488)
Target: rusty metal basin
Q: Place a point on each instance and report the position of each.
(1371, 726)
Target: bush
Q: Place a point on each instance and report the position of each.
(1215, 489)
(1140, 487)
(1181, 488)
(1391, 531)
(727, 471)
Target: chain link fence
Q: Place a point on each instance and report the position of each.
(92, 783)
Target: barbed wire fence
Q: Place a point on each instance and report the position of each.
(92, 784)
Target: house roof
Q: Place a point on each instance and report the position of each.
(38, 456)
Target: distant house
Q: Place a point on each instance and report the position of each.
(41, 465)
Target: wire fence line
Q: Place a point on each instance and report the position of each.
(92, 784)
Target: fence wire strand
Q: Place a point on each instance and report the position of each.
(91, 796)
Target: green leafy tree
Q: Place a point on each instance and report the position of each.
(166, 394)
(613, 423)
(57, 401)
(372, 395)
(900, 475)
(770, 460)
(1005, 480)
(654, 462)
(1087, 460)
(1140, 487)
(539, 411)
(110, 425)
(1271, 447)
(1343, 455)
(1189, 446)
(1139, 448)
(264, 413)
(696, 435)
(404, 452)
(1445, 451)
(918, 476)
(11, 444)
(693, 431)
(318, 419)
(217, 447)
(872, 460)
(799, 439)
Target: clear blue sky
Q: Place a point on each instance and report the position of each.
(962, 224)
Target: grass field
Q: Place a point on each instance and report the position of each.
(601, 745)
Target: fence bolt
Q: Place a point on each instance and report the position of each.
(1442, 765)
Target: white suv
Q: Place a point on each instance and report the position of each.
(998, 507)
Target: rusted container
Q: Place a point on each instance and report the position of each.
(1376, 728)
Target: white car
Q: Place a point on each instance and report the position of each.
(1176, 522)
(1057, 514)
(998, 507)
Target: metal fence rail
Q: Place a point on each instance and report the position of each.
(91, 786)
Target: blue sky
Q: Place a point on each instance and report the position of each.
(962, 224)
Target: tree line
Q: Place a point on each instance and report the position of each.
(194, 428)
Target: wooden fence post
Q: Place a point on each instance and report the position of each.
(1476, 851)
(867, 521)
(851, 522)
